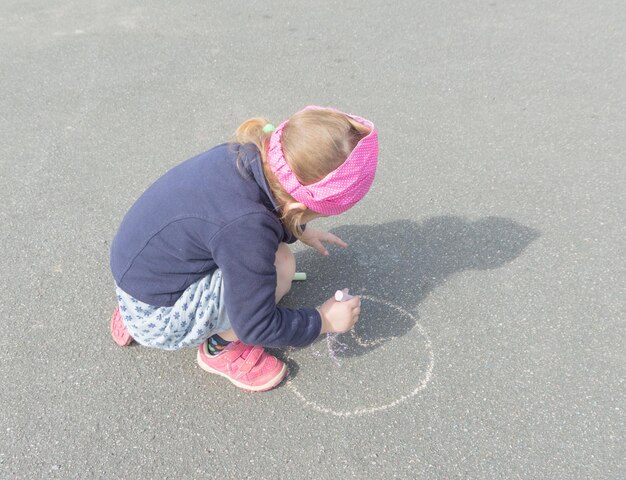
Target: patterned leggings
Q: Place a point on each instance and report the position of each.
(198, 314)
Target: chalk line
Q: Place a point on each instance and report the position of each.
(369, 409)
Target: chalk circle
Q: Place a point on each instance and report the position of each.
(406, 362)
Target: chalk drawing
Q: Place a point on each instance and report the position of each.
(334, 346)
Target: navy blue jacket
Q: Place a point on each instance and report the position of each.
(209, 213)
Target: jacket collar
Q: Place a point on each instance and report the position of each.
(252, 163)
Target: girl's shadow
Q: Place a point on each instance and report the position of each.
(402, 262)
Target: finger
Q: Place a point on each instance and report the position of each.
(317, 245)
(330, 238)
(355, 301)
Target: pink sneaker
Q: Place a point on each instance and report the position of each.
(248, 367)
(118, 330)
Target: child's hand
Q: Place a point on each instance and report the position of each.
(339, 317)
(313, 237)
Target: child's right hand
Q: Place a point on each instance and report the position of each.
(339, 317)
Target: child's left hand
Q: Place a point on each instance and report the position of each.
(313, 237)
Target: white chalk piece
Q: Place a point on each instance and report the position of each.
(299, 276)
(341, 296)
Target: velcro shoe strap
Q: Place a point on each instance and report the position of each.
(251, 361)
(233, 353)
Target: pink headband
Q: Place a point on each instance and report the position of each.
(340, 189)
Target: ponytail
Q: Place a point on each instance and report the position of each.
(251, 132)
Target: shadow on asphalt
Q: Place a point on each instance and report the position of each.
(402, 262)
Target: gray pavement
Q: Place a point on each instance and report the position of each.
(490, 251)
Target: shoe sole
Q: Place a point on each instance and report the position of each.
(257, 388)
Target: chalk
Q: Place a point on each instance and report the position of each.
(299, 276)
(341, 296)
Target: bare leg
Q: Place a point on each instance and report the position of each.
(285, 268)
(228, 335)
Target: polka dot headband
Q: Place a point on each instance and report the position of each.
(340, 189)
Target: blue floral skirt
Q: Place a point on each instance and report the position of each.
(196, 315)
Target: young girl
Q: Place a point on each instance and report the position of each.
(201, 259)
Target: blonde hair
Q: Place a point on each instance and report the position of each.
(315, 142)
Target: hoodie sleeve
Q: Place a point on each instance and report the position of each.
(245, 251)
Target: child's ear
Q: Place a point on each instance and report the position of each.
(295, 206)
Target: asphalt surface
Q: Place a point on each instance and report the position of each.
(490, 251)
